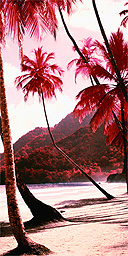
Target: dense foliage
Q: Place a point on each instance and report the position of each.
(38, 161)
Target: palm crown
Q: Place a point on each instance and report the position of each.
(88, 51)
(105, 100)
(40, 75)
(31, 16)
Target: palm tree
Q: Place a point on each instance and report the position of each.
(120, 52)
(39, 78)
(24, 242)
(69, 9)
(88, 52)
(15, 17)
(107, 100)
(122, 85)
(81, 54)
(125, 19)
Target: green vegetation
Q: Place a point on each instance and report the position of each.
(39, 162)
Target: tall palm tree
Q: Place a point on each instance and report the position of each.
(125, 19)
(24, 242)
(106, 99)
(120, 52)
(39, 78)
(15, 18)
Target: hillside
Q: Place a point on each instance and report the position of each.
(38, 161)
(39, 137)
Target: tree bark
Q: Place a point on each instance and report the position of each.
(13, 210)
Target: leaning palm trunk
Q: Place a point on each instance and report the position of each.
(68, 158)
(25, 244)
(42, 213)
(13, 210)
(76, 46)
(109, 51)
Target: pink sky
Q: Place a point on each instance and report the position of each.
(82, 24)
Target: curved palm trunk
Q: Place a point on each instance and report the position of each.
(41, 212)
(109, 51)
(68, 158)
(25, 244)
(13, 210)
(76, 46)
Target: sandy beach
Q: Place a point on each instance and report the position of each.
(81, 239)
(100, 226)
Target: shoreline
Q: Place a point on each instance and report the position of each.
(99, 226)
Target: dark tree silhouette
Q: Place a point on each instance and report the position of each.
(106, 99)
(122, 85)
(15, 18)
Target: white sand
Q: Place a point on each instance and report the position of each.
(79, 240)
(104, 231)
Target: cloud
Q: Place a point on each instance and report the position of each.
(10, 73)
(84, 15)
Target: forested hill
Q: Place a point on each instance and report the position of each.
(85, 148)
(39, 137)
(39, 161)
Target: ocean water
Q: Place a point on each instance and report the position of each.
(70, 197)
(99, 226)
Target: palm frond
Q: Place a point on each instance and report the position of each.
(89, 100)
(40, 18)
(119, 49)
(2, 23)
(40, 75)
(15, 18)
(113, 136)
(124, 21)
(28, 63)
(20, 80)
(101, 72)
(84, 67)
(71, 63)
(103, 113)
